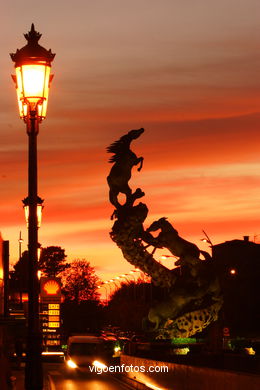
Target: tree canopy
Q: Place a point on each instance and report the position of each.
(19, 276)
(52, 261)
(80, 282)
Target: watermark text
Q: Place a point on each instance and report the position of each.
(99, 368)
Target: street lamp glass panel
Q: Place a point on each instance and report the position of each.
(39, 214)
(32, 86)
(26, 213)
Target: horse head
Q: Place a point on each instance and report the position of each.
(133, 134)
(157, 224)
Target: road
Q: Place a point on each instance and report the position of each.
(91, 381)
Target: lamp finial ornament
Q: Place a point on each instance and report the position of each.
(32, 36)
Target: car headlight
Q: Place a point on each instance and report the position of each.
(99, 365)
(71, 364)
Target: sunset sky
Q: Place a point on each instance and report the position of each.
(187, 71)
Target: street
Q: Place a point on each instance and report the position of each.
(60, 381)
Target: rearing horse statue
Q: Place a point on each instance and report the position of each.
(169, 238)
(124, 160)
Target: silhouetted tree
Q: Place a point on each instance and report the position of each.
(80, 282)
(19, 276)
(129, 305)
(52, 261)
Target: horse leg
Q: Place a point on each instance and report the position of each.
(140, 160)
(128, 193)
(153, 251)
(113, 198)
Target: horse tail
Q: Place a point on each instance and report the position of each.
(206, 255)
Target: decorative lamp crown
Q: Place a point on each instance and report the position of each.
(32, 52)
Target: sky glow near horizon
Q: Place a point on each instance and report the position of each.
(188, 72)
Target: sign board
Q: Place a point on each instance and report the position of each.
(50, 290)
(50, 311)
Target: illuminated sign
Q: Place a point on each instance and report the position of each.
(50, 290)
(53, 342)
(53, 306)
(51, 287)
(53, 312)
(50, 315)
(54, 318)
(54, 324)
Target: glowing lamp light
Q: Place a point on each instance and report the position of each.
(233, 271)
(39, 211)
(39, 252)
(32, 78)
(165, 257)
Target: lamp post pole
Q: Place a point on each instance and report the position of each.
(32, 79)
(33, 368)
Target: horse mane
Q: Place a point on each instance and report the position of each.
(162, 222)
(166, 223)
(163, 219)
(122, 145)
(118, 147)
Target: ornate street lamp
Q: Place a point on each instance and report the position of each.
(32, 80)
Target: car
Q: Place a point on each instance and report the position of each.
(83, 352)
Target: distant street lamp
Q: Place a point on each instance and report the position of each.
(20, 244)
(122, 277)
(114, 282)
(132, 272)
(32, 80)
(206, 239)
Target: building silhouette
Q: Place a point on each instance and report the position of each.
(238, 267)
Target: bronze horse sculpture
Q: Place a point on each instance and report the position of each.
(193, 291)
(124, 160)
(169, 238)
(197, 276)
